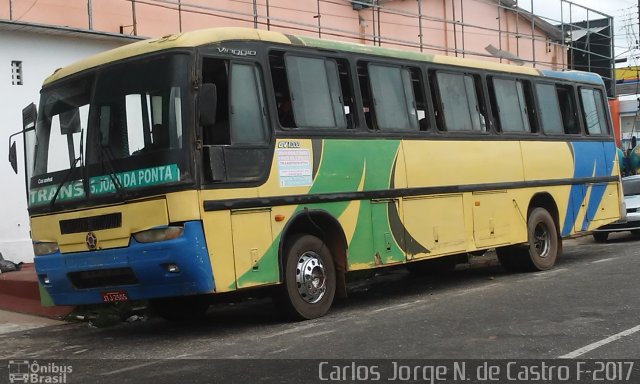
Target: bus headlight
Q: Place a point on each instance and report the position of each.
(158, 234)
(44, 248)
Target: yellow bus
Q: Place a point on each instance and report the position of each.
(223, 160)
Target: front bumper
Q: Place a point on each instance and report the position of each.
(140, 269)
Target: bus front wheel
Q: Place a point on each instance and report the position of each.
(309, 278)
(544, 245)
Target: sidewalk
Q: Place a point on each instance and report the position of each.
(20, 292)
(13, 322)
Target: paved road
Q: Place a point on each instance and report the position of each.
(587, 307)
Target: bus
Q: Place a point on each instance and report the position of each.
(225, 160)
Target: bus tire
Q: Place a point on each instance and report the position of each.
(180, 309)
(309, 284)
(544, 245)
(600, 237)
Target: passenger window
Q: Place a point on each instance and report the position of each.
(567, 103)
(420, 99)
(549, 108)
(315, 93)
(347, 93)
(460, 102)
(393, 99)
(512, 103)
(593, 111)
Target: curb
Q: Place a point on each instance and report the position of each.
(21, 292)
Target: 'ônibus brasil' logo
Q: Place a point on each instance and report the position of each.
(25, 371)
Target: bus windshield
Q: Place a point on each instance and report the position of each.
(119, 129)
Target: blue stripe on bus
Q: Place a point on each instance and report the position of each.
(146, 260)
(590, 159)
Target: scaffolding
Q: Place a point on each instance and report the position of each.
(583, 35)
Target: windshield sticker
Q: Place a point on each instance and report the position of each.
(70, 191)
(135, 179)
(100, 185)
(294, 167)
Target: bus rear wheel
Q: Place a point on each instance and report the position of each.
(309, 278)
(600, 237)
(544, 245)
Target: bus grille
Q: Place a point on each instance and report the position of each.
(102, 278)
(92, 223)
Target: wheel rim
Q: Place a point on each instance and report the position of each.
(542, 240)
(311, 279)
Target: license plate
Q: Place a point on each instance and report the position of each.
(113, 296)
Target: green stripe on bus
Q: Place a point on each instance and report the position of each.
(341, 170)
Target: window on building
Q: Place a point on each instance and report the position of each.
(16, 73)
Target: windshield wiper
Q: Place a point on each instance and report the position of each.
(64, 180)
(106, 157)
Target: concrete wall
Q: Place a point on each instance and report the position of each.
(40, 55)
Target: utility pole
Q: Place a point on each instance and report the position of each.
(90, 13)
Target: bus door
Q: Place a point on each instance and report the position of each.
(236, 153)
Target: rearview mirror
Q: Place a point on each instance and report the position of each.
(29, 116)
(70, 121)
(207, 103)
(13, 157)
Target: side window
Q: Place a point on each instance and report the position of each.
(566, 98)
(393, 100)
(348, 99)
(512, 103)
(557, 107)
(593, 111)
(549, 108)
(314, 94)
(460, 102)
(420, 98)
(247, 110)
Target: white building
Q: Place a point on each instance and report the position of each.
(28, 54)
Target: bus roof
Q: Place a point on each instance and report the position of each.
(217, 35)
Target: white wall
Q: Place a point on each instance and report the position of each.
(40, 55)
